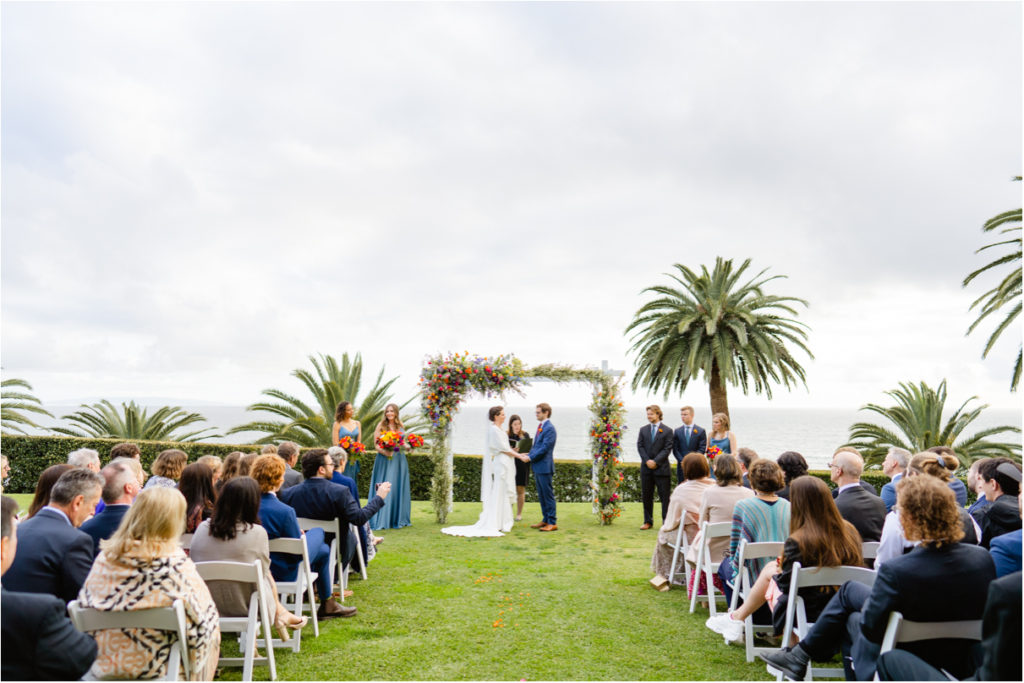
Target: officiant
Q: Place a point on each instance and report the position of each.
(521, 442)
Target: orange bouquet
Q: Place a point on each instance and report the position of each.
(413, 440)
(389, 441)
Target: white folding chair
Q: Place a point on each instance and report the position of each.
(293, 593)
(186, 541)
(870, 550)
(354, 530)
(170, 619)
(248, 626)
(679, 549)
(708, 531)
(900, 630)
(330, 526)
(796, 614)
(743, 584)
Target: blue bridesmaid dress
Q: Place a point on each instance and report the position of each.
(351, 468)
(723, 444)
(397, 510)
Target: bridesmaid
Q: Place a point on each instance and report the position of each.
(521, 442)
(397, 510)
(345, 424)
(720, 434)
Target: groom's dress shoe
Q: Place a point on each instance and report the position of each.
(645, 527)
(549, 527)
(538, 525)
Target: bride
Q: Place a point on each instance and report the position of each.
(497, 484)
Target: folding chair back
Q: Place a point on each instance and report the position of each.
(293, 593)
(704, 563)
(744, 582)
(900, 630)
(680, 549)
(169, 619)
(330, 526)
(870, 550)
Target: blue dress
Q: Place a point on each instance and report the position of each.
(397, 510)
(722, 444)
(351, 468)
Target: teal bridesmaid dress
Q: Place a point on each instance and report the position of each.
(397, 510)
(723, 444)
(351, 468)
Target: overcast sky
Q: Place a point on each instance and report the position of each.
(196, 197)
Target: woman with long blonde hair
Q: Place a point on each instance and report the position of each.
(391, 465)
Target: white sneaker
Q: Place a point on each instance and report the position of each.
(718, 623)
(733, 631)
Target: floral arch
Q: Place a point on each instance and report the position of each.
(445, 381)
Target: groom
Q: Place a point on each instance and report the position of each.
(542, 461)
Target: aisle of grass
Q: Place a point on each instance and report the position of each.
(569, 605)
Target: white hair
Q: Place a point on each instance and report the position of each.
(337, 454)
(900, 456)
(83, 457)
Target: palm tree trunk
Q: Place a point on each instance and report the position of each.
(719, 398)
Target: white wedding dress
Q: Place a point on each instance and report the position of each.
(497, 490)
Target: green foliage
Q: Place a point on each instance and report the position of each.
(606, 427)
(103, 421)
(330, 383)
(712, 323)
(1008, 291)
(13, 403)
(917, 425)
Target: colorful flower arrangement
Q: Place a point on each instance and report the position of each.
(413, 440)
(713, 451)
(352, 447)
(606, 430)
(389, 441)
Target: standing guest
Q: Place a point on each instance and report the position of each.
(542, 462)
(721, 437)
(1000, 480)
(289, 452)
(55, 555)
(683, 508)
(126, 450)
(215, 464)
(200, 497)
(45, 484)
(521, 442)
(346, 424)
(280, 521)
(974, 484)
(85, 457)
(1006, 549)
(689, 438)
(654, 443)
(391, 466)
(366, 537)
(317, 497)
(746, 456)
(792, 465)
(39, 641)
(142, 566)
(763, 518)
(894, 466)
(120, 487)
(864, 510)
(234, 534)
(167, 469)
(959, 488)
(231, 464)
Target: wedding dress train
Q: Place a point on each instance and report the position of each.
(497, 491)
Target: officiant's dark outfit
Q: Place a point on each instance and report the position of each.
(655, 444)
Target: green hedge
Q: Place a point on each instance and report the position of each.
(30, 455)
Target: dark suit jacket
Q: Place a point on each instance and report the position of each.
(1006, 553)
(929, 584)
(1001, 630)
(318, 498)
(656, 449)
(681, 447)
(292, 477)
(53, 557)
(348, 482)
(39, 641)
(864, 485)
(542, 454)
(279, 521)
(103, 525)
(999, 517)
(864, 510)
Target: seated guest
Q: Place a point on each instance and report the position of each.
(167, 469)
(55, 555)
(894, 466)
(366, 537)
(819, 537)
(85, 457)
(746, 457)
(317, 497)
(863, 484)
(1000, 642)
(792, 465)
(893, 542)
(1000, 481)
(269, 449)
(280, 521)
(39, 641)
(289, 452)
(857, 505)
(121, 486)
(959, 488)
(716, 505)
(231, 463)
(245, 463)
(215, 464)
(126, 450)
(234, 534)
(683, 506)
(196, 485)
(45, 484)
(5, 470)
(142, 566)
(974, 484)
(941, 580)
(763, 518)
(1006, 549)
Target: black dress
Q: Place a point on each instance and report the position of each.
(522, 468)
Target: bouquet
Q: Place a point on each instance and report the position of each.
(413, 440)
(713, 451)
(352, 447)
(389, 441)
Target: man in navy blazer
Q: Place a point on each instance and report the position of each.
(55, 555)
(895, 467)
(687, 439)
(39, 641)
(542, 462)
(859, 507)
(120, 488)
(654, 443)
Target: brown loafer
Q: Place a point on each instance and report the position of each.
(645, 527)
(538, 525)
(331, 609)
(549, 527)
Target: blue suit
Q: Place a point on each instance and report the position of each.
(542, 460)
(280, 521)
(888, 494)
(959, 490)
(977, 505)
(103, 525)
(698, 442)
(53, 557)
(1006, 553)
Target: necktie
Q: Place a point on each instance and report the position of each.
(688, 434)
(653, 427)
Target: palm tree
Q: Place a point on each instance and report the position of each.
(329, 384)
(711, 323)
(917, 426)
(1007, 292)
(103, 421)
(12, 402)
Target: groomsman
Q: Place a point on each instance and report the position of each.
(654, 445)
(687, 439)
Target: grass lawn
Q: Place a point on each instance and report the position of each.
(574, 604)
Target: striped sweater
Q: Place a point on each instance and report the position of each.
(758, 522)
